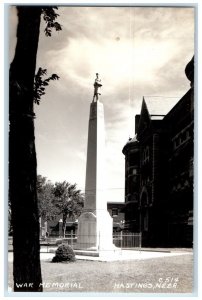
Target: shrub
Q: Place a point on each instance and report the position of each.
(64, 253)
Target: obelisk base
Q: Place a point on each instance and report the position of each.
(95, 232)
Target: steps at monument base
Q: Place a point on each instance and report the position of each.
(87, 253)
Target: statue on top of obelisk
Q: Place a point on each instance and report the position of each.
(97, 86)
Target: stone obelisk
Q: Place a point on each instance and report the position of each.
(95, 224)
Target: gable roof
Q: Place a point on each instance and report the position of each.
(159, 106)
(154, 109)
(144, 116)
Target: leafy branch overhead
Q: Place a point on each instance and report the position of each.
(49, 16)
(40, 84)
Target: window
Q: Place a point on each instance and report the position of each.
(146, 221)
(145, 155)
(191, 168)
(114, 212)
(183, 136)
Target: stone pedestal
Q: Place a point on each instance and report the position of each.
(95, 225)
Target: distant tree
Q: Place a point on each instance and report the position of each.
(22, 153)
(69, 201)
(46, 198)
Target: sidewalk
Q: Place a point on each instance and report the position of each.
(120, 255)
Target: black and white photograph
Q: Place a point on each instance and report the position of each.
(101, 149)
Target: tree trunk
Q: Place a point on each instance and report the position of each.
(64, 225)
(22, 154)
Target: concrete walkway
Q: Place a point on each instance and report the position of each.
(120, 255)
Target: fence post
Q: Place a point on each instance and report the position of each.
(121, 239)
(140, 240)
(60, 228)
(99, 241)
(72, 238)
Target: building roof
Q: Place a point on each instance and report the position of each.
(189, 70)
(130, 142)
(157, 117)
(159, 106)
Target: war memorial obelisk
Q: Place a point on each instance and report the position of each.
(95, 224)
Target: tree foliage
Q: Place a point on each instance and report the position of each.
(45, 194)
(69, 200)
(40, 84)
(49, 16)
(59, 198)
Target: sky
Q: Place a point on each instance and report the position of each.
(138, 51)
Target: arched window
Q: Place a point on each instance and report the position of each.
(144, 197)
(145, 155)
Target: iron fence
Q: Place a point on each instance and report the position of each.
(121, 240)
(127, 240)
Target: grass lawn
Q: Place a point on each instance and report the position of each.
(159, 275)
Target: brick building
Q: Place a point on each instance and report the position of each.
(159, 171)
(51, 228)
